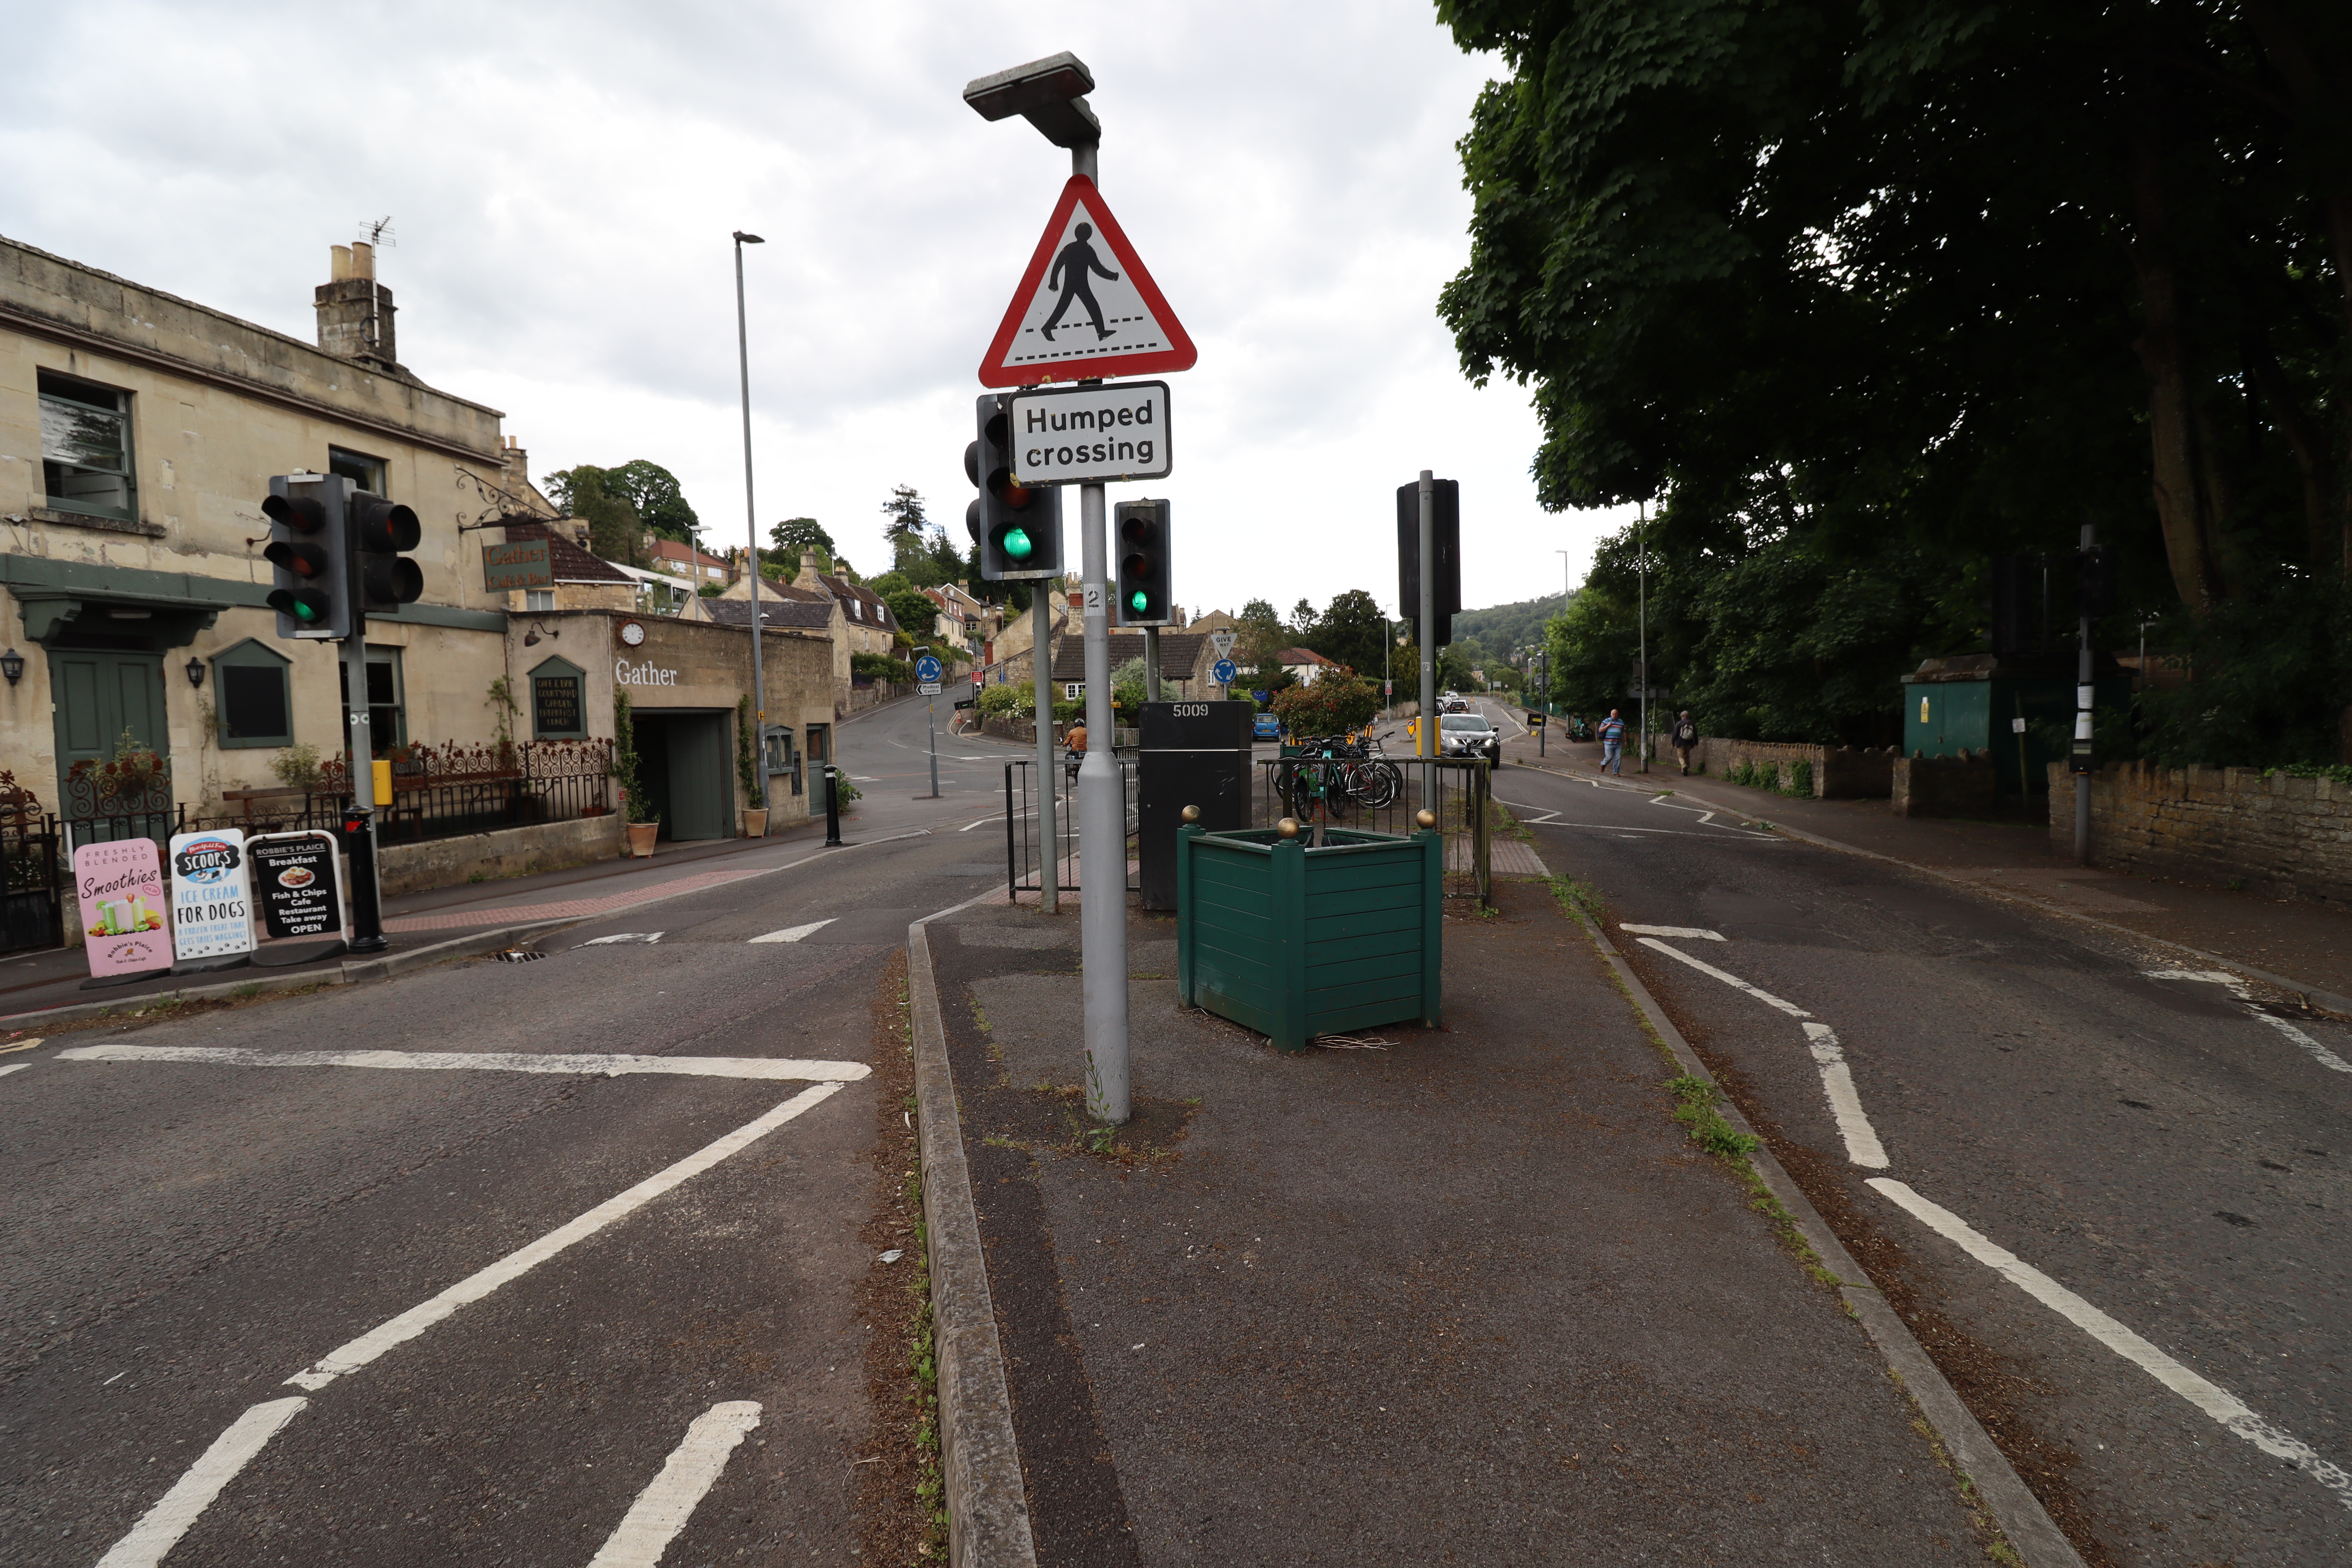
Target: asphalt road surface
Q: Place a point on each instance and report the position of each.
(2108, 1193)
(479, 1310)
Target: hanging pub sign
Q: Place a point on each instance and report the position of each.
(212, 910)
(298, 884)
(124, 922)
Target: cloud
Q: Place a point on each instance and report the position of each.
(563, 180)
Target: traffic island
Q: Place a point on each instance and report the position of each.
(1464, 1293)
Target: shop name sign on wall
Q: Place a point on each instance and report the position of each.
(646, 674)
(211, 912)
(522, 564)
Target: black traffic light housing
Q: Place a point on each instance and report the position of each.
(1144, 579)
(1446, 538)
(1017, 528)
(381, 532)
(308, 556)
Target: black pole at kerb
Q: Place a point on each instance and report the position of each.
(832, 806)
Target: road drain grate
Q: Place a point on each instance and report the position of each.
(517, 956)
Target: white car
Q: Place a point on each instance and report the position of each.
(1469, 735)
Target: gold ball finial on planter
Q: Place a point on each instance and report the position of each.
(1288, 828)
(1192, 813)
(1426, 818)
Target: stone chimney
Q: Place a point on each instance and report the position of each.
(808, 579)
(355, 311)
(517, 462)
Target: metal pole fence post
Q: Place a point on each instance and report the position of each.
(1049, 844)
(750, 511)
(1102, 841)
(2083, 692)
(1642, 557)
(931, 713)
(1427, 610)
(832, 806)
(367, 898)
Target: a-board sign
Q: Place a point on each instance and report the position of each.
(298, 885)
(212, 913)
(124, 914)
(522, 564)
(1085, 308)
(1090, 435)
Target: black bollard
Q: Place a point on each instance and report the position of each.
(832, 806)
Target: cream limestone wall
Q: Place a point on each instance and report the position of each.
(218, 407)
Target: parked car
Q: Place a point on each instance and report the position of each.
(1469, 735)
(1266, 728)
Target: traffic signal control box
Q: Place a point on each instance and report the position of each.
(1017, 528)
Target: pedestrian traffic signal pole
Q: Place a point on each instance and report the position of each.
(2080, 760)
(1427, 610)
(1049, 875)
(359, 822)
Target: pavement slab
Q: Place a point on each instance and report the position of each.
(1465, 1295)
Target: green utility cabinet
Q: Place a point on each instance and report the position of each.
(1296, 941)
(1969, 702)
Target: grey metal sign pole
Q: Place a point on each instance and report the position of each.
(2084, 690)
(1049, 853)
(932, 706)
(1150, 667)
(1428, 637)
(750, 511)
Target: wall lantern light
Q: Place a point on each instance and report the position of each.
(12, 665)
(195, 672)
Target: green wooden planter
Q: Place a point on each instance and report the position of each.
(1296, 943)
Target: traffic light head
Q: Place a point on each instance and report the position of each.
(1446, 538)
(1143, 582)
(310, 566)
(381, 532)
(1018, 528)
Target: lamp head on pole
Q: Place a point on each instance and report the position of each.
(742, 239)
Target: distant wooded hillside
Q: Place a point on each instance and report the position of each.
(1506, 627)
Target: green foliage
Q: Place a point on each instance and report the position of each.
(652, 491)
(1333, 703)
(1127, 689)
(297, 767)
(634, 803)
(615, 533)
(1020, 701)
(1694, 1108)
(1801, 779)
(2272, 677)
(747, 755)
(1872, 292)
(910, 605)
(795, 534)
(881, 667)
(1505, 628)
(1350, 631)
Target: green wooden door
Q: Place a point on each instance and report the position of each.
(697, 776)
(98, 695)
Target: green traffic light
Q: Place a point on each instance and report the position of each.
(1016, 544)
(303, 609)
(1138, 601)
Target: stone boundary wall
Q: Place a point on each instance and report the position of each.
(1840, 773)
(502, 852)
(2282, 838)
(1944, 786)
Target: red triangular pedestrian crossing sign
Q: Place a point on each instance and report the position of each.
(1086, 307)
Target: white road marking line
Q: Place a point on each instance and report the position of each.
(358, 1353)
(1696, 933)
(575, 1065)
(161, 1528)
(647, 936)
(2224, 1407)
(19, 1066)
(1733, 981)
(1672, 832)
(793, 934)
(2238, 988)
(662, 1509)
(20, 1045)
(1862, 1144)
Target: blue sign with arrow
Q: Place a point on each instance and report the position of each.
(1222, 672)
(926, 669)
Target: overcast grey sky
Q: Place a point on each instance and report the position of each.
(562, 181)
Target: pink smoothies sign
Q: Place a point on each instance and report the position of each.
(126, 919)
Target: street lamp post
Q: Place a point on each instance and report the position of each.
(1049, 93)
(750, 511)
(1642, 562)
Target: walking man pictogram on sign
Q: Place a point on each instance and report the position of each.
(1070, 275)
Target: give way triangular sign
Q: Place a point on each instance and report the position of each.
(1086, 307)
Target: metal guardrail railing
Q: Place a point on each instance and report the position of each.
(1023, 854)
(1385, 795)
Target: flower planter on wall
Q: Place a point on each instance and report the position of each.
(1296, 943)
(641, 838)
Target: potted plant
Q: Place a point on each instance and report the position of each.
(644, 828)
(747, 772)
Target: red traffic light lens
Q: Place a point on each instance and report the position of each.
(302, 514)
(302, 560)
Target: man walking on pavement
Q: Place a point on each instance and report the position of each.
(1685, 740)
(1070, 275)
(1613, 744)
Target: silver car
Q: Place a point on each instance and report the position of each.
(1469, 735)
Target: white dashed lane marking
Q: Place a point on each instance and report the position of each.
(1695, 933)
(662, 1509)
(1731, 980)
(2237, 988)
(1862, 1144)
(2224, 1407)
(794, 933)
(569, 1064)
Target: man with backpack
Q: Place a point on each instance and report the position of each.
(1685, 738)
(1613, 744)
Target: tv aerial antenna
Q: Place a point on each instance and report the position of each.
(378, 231)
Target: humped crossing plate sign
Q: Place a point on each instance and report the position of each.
(1085, 308)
